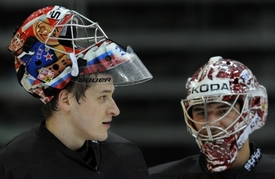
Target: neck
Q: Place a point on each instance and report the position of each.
(243, 156)
(64, 133)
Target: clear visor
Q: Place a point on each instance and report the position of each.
(210, 118)
(124, 71)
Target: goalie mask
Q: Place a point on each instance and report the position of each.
(55, 46)
(241, 103)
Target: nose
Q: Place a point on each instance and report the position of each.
(113, 110)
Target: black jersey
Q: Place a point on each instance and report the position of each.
(38, 154)
(194, 167)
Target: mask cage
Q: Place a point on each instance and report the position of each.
(206, 132)
(76, 32)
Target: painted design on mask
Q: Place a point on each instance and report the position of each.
(205, 87)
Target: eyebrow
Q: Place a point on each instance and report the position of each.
(200, 107)
(107, 91)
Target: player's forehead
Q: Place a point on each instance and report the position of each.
(213, 105)
(102, 89)
(101, 83)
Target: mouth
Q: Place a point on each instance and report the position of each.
(107, 122)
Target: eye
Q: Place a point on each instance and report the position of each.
(222, 111)
(198, 115)
(201, 113)
(103, 98)
(197, 111)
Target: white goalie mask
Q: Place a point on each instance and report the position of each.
(232, 88)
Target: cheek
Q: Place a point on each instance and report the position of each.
(90, 112)
(84, 118)
(87, 109)
(197, 126)
(198, 122)
(230, 119)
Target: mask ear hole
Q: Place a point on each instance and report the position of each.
(257, 101)
(29, 43)
(236, 81)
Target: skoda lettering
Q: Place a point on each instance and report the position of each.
(210, 86)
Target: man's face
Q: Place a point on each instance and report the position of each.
(216, 115)
(91, 119)
(216, 124)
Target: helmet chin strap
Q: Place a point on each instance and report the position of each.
(75, 69)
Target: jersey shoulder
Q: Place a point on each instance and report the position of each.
(187, 165)
(27, 147)
(19, 144)
(266, 164)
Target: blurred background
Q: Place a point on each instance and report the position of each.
(173, 38)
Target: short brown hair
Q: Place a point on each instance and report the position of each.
(78, 91)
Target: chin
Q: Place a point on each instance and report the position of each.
(102, 137)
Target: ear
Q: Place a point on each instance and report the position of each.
(64, 100)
